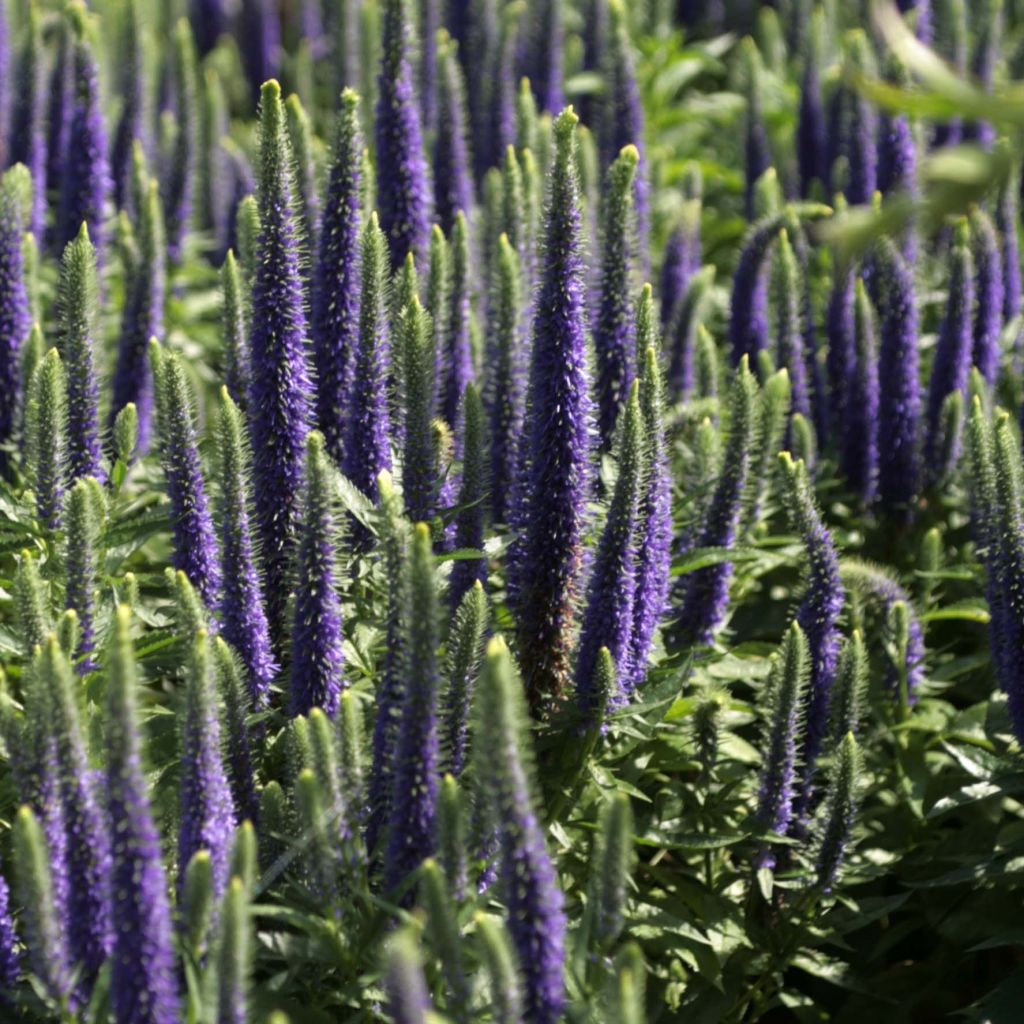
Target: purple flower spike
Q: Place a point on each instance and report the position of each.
(778, 772)
(995, 512)
(10, 963)
(953, 350)
(317, 660)
(403, 187)
(812, 130)
(615, 330)
(859, 443)
(132, 125)
(473, 492)
(78, 299)
(243, 618)
(83, 524)
(457, 367)
(555, 472)
(453, 165)
(500, 120)
(430, 16)
(368, 448)
(987, 46)
(86, 185)
(304, 174)
(195, 546)
(787, 294)
(28, 128)
(988, 293)
(872, 582)
(624, 122)
(608, 619)
(91, 932)
(260, 42)
(60, 96)
(704, 594)
(15, 319)
(209, 19)
(897, 170)
(899, 391)
(411, 831)
(748, 304)
(897, 158)
(142, 318)
(953, 45)
(5, 77)
(536, 919)
(545, 38)
(854, 124)
(393, 677)
(682, 252)
(207, 809)
(840, 331)
(597, 24)
(817, 616)
(504, 382)
(143, 983)
(475, 28)
(757, 150)
(335, 322)
(280, 390)
(45, 931)
(179, 184)
(654, 545)
(1007, 217)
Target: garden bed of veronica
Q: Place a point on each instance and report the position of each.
(511, 512)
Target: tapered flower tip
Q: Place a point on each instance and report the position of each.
(899, 618)
(859, 55)
(245, 853)
(270, 97)
(604, 684)
(17, 183)
(962, 233)
(126, 432)
(496, 649)
(155, 356)
(629, 155)
(68, 632)
(78, 17)
(198, 897)
(749, 50)
(563, 129)
(409, 266)
(315, 445)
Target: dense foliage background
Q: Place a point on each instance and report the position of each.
(649, 826)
